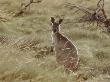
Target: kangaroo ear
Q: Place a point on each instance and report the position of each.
(52, 19)
(60, 21)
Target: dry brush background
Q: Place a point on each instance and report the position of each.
(25, 43)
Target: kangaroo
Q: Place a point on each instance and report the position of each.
(65, 50)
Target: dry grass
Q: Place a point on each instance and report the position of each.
(26, 51)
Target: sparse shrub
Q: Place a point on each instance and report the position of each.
(24, 8)
(97, 15)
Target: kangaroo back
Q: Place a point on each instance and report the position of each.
(66, 52)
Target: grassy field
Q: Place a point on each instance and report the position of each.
(25, 43)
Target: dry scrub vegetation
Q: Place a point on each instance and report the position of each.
(26, 54)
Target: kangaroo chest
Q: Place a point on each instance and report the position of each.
(62, 44)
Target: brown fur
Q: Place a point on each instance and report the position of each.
(66, 52)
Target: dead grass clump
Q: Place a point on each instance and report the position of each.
(107, 24)
(44, 52)
(85, 75)
(92, 72)
(106, 70)
(100, 67)
(33, 44)
(9, 77)
(103, 69)
(102, 55)
(83, 60)
(27, 44)
(3, 39)
(2, 19)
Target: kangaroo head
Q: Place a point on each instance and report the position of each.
(55, 25)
